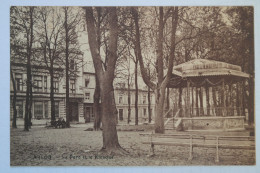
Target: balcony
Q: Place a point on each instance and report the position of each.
(76, 95)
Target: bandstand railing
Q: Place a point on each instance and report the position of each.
(212, 111)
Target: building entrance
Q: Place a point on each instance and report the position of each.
(73, 111)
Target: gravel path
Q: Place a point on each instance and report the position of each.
(76, 147)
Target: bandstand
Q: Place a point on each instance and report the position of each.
(209, 96)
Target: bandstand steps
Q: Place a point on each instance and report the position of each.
(169, 125)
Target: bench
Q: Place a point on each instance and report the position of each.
(203, 141)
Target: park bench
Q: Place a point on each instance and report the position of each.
(203, 141)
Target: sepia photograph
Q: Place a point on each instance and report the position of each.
(132, 86)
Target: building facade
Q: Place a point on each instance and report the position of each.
(121, 99)
(41, 104)
(82, 90)
(88, 87)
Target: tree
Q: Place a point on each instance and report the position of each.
(30, 39)
(13, 51)
(23, 21)
(136, 90)
(67, 65)
(151, 76)
(105, 75)
(72, 51)
(242, 19)
(22, 24)
(49, 35)
(125, 76)
(162, 80)
(14, 100)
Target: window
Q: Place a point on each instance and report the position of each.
(72, 86)
(86, 82)
(56, 109)
(87, 96)
(129, 99)
(46, 109)
(45, 83)
(144, 112)
(56, 84)
(121, 114)
(72, 64)
(37, 83)
(91, 112)
(19, 82)
(38, 110)
(120, 99)
(144, 99)
(19, 108)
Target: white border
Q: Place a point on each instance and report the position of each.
(5, 83)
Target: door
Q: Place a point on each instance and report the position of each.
(87, 114)
(73, 110)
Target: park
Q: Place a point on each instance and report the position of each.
(132, 86)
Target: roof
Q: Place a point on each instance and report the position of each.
(204, 67)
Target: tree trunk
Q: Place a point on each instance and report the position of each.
(29, 72)
(136, 93)
(28, 88)
(149, 105)
(128, 99)
(251, 67)
(52, 94)
(30, 107)
(251, 109)
(106, 77)
(159, 105)
(96, 106)
(243, 99)
(67, 67)
(27, 102)
(110, 139)
(109, 113)
(14, 101)
(167, 99)
(67, 93)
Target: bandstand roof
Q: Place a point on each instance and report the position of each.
(204, 70)
(204, 67)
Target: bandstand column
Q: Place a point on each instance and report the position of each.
(197, 102)
(188, 99)
(201, 102)
(207, 100)
(180, 101)
(214, 100)
(223, 99)
(237, 99)
(192, 101)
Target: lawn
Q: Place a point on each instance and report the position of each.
(77, 147)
